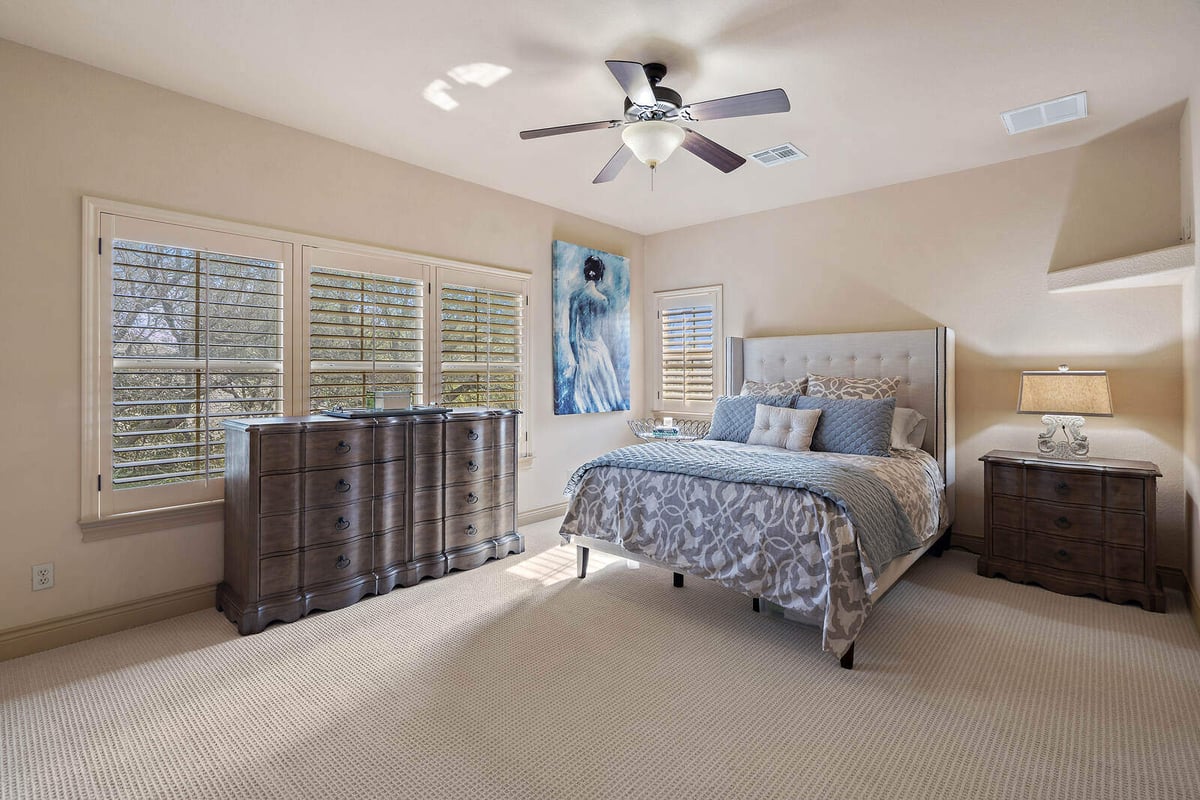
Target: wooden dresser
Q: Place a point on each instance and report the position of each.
(320, 511)
(1083, 527)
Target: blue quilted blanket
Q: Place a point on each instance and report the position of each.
(884, 531)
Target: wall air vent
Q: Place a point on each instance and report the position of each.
(1046, 113)
(774, 156)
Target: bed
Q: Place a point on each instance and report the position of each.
(780, 537)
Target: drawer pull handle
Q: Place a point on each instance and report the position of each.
(473, 435)
(1062, 487)
(343, 447)
(472, 530)
(342, 562)
(472, 466)
(342, 487)
(342, 524)
(1062, 523)
(1063, 555)
(472, 498)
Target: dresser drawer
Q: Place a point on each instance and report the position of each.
(469, 434)
(1124, 528)
(427, 504)
(1124, 564)
(337, 524)
(1073, 521)
(1125, 493)
(506, 460)
(328, 487)
(278, 451)
(1008, 512)
(389, 512)
(427, 437)
(427, 470)
(1065, 554)
(1007, 480)
(278, 493)
(467, 529)
(337, 448)
(469, 466)
(279, 574)
(1064, 487)
(337, 562)
(278, 533)
(1008, 544)
(391, 440)
(391, 548)
(391, 477)
(467, 498)
(427, 539)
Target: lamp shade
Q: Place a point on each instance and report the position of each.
(1080, 393)
(652, 141)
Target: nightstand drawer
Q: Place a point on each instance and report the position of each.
(1124, 564)
(1065, 554)
(1061, 520)
(1008, 544)
(1007, 480)
(1008, 512)
(1124, 528)
(1125, 493)
(1064, 487)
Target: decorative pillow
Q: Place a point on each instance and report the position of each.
(908, 429)
(784, 427)
(759, 389)
(852, 388)
(861, 427)
(733, 418)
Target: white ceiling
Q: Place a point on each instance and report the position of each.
(882, 92)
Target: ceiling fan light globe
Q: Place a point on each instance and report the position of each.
(652, 141)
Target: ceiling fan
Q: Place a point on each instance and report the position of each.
(655, 115)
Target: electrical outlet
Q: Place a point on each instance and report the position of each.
(43, 576)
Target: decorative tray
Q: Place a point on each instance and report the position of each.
(689, 430)
(355, 413)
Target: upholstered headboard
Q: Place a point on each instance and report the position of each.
(924, 360)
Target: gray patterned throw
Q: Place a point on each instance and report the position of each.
(884, 530)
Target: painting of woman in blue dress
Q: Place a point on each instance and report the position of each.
(591, 330)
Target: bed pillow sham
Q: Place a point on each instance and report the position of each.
(789, 428)
(733, 417)
(859, 427)
(908, 429)
(839, 388)
(760, 389)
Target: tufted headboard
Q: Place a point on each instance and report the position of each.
(924, 360)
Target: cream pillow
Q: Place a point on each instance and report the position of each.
(791, 428)
(908, 429)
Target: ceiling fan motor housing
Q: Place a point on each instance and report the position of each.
(669, 100)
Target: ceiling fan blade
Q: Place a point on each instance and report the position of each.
(632, 77)
(583, 126)
(720, 157)
(614, 165)
(772, 101)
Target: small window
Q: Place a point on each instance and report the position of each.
(689, 354)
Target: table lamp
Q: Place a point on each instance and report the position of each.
(1064, 397)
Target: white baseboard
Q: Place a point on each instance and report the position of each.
(539, 514)
(27, 639)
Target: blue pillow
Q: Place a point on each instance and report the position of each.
(733, 418)
(860, 427)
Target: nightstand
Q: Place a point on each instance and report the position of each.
(1075, 527)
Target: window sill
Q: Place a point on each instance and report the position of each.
(158, 519)
(525, 462)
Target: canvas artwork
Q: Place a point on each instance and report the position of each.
(591, 330)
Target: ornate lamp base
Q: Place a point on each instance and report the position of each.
(1076, 446)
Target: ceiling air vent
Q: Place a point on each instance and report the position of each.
(1045, 114)
(774, 156)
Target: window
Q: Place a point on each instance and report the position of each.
(689, 354)
(191, 321)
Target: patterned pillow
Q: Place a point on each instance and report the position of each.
(852, 388)
(789, 428)
(733, 418)
(759, 389)
(861, 427)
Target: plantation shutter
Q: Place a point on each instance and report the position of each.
(689, 343)
(197, 337)
(482, 340)
(365, 329)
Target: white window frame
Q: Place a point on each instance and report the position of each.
(97, 517)
(679, 298)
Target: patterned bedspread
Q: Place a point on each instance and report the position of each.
(793, 547)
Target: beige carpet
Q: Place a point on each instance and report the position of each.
(517, 680)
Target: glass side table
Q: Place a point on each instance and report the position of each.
(689, 430)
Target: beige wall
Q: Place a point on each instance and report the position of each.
(972, 250)
(68, 130)
(1189, 151)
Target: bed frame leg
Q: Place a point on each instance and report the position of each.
(678, 580)
(848, 658)
(941, 545)
(581, 554)
(756, 605)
